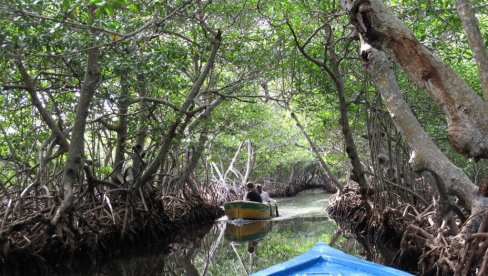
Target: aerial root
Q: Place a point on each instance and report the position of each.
(410, 239)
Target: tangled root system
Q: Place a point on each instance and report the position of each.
(404, 237)
(96, 231)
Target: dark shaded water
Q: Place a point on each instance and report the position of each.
(228, 249)
(224, 248)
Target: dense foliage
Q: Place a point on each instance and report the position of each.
(151, 99)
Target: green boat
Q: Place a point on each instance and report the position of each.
(240, 209)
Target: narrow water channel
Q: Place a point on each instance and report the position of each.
(302, 223)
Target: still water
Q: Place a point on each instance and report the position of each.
(229, 249)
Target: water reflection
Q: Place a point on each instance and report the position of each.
(226, 248)
(230, 249)
(302, 223)
(241, 248)
(247, 231)
(175, 259)
(250, 233)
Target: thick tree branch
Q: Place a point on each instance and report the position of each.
(161, 155)
(203, 75)
(425, 156)
(106, 124)
(36, 102)
(464, 109)
(159, 101)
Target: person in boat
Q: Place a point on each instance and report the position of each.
(252, 193)
(264, 195)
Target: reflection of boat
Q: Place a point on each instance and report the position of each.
(250, 233)
(247, 232)
(250, 210)
(325, 260)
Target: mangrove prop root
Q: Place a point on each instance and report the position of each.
(98, 229)
(403, 236)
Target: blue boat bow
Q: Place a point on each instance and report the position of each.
(325, 260)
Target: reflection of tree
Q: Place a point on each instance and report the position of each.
(252, 247)
(213, 245)
(185, 260)
(174, 259)
(205, 253)
(251, 251)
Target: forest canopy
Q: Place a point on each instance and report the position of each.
(127, 101)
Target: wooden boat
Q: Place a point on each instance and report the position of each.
(250, 210)
(325, 260)
(247, 232)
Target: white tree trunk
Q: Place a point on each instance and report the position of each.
(251, 157)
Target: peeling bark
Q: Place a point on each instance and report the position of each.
(425, 155)
(464, 109)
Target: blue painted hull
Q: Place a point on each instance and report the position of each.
(325, 260)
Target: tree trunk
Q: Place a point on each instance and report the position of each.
(351, 149)
(465, 110)
(74, 163)
(475, 40)
(138, 148)
(197, 153)
(425, 154)
(316, 152)
(123, 106)
(192, 163)
(171, 133)
(336, 75)
(152, 168)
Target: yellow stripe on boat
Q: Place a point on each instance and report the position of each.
(250, 210)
